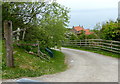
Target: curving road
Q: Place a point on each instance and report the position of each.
(85, 67)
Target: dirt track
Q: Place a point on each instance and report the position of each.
(85, 67)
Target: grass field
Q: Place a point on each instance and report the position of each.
(27, 65)
(95, 50)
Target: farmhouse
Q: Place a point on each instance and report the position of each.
(78, 30)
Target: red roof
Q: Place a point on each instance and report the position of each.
(78, 28)
(87, 31)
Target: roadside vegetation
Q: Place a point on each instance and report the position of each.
(109, 30)
(27, 65)
(0, 59)
(43, 22)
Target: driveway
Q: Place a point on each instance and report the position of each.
(84, 66)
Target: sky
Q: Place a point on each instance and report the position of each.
(88, 13)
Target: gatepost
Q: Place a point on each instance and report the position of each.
(8, 43)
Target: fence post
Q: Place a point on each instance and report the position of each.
(89, 42)
(38, 48)
(80, 43)
(8, 43)
(111, 45)
(100, 45)
(18, 34)
(92, 43)
(85, 42)
(23, 34)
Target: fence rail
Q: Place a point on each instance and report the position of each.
(108, 45)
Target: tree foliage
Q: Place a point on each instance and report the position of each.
(45, 22)
(110, 31)
(96, 30)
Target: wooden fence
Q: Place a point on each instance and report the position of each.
(108, 45)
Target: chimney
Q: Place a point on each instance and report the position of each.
(73, 26)
(79, 25)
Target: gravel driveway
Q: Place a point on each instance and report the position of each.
(85, 66)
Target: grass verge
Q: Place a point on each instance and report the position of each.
(27, 65)
(0, 59)
(95, 50)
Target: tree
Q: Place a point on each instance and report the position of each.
(96, 30)
(110, 31)
(92, 36)
(44, 21)
(22, 14)
(53, 25)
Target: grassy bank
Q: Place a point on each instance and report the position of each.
(0, 59)
(27, 65)
(95, 50)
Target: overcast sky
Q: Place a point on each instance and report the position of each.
(89, 12)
